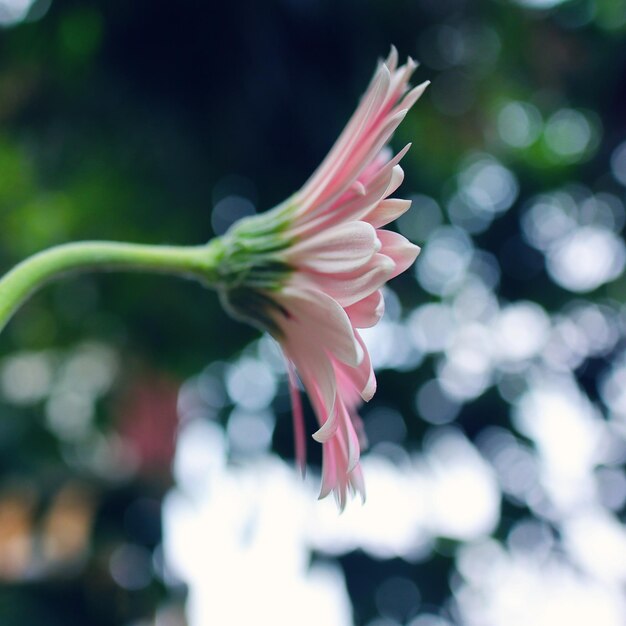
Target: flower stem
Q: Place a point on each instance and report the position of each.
(199, 262)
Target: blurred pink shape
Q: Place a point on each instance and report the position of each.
(148, 422)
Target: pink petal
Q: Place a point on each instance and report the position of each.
(316, 319)
(414, 95)
(397, 177)
(381, 184)
(335, 474)
(387, 211)
(342, 248)
(351, 287)
(399, 81)
(357, 422)
(367, 312)
(350, 440)
(349, 207)
(370, 146)
(382, 158)
(392, 60)
(361, 378)
(398, 248)
(316, 372)
(329, 427)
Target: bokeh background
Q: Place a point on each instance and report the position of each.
(146, 461)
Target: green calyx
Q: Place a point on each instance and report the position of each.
(250, 251)
(250, 266)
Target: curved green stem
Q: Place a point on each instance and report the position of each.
(199, 262)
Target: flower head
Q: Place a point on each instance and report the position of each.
(310, 272)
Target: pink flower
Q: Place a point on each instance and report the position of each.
(310, 271)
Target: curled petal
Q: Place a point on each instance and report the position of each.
(367, 312)
(398, 248)
(397, 177)
(329, 427)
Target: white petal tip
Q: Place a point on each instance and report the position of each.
(412, 253)
(392, 58)
(368, 395)
(323, 434)
(370, 389)
(414, 95)
(386, 263)
(359, 188)
(360, 353)
(357, 485)
(341, 500)
(324, 491)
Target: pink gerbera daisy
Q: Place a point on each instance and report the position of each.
(310, 272)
